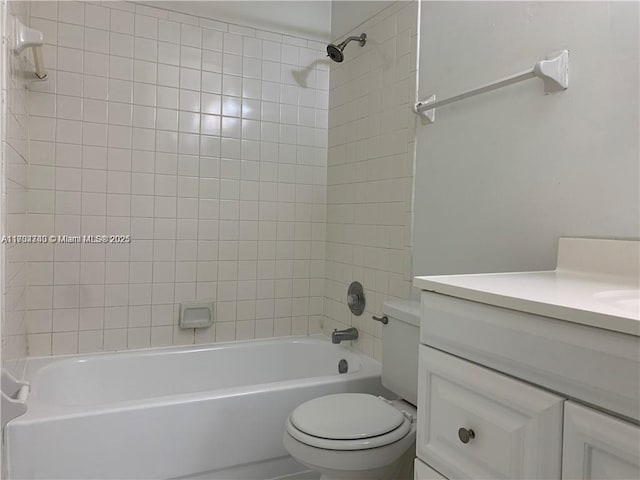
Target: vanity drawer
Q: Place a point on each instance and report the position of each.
(476, 423)
(422, 471)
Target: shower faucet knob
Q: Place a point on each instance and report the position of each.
(353, 299)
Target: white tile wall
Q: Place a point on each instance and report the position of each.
(370, 171)
(15, 159)
(206, 143)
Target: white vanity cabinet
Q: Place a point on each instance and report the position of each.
(422, 471)
(477, 423)
(517, 430)
(509, 362)
(599, 446)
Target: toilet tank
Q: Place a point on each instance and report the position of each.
(400, 340)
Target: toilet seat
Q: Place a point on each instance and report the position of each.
(351, 421)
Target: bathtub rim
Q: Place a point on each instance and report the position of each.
(35, 364)
(43, 411)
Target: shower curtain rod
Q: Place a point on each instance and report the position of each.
(554, 72)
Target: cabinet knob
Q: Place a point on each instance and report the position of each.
(465, 434)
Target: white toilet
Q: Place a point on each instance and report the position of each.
(361, 436)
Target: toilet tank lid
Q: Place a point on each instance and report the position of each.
(407, 311)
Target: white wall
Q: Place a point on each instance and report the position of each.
(194, 137)
(347, 15)
(501, 176)
(308, 18)
(370, 171)
(14, 71)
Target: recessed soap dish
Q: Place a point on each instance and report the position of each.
(196, 315)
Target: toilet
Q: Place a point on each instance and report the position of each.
(362, 436)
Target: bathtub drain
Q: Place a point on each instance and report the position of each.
(343, 366)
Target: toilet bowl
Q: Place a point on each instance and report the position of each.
(353, 436)
(361, 436)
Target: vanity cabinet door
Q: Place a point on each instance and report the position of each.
(422, 471)
(476, 423)
(599, 446)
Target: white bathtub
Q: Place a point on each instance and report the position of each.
(215, 411)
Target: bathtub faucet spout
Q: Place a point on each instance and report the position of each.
(342, 335)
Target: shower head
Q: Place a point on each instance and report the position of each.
(335, 52)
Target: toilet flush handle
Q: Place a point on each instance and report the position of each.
(383, 319)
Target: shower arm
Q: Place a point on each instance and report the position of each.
(360, 38)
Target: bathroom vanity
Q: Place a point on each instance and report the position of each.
(534, 374)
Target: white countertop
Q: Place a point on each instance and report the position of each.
(580, 290)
